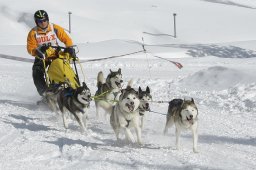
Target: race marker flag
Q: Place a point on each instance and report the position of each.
(179, 65)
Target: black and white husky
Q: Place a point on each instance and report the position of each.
(145, 97)
(108, 91)
(183, 113)
(125, 115)
(75, 101)
(64, 100)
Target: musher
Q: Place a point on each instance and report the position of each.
(43, 35)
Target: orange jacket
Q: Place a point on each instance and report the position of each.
(60, 32)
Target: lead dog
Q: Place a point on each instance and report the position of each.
(108, 91)
(183, 113)
(125, 115)
(145, 97)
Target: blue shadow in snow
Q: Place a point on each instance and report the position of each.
(29, 106)
(30, 126)
(21, 117)
(26, 124)
(223, 139)
(60, 142)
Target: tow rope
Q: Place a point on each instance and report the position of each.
(100, 97)
(159, 101)
(157, 112)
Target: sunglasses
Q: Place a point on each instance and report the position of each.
(41, 21)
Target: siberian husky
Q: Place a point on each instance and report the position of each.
(125, 115)
(108, 91)
(77, 102)
(183, 113)
(145, 97)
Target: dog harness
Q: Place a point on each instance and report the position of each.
(115, 94)
(75, 107)
(69, 92)
(128, 122)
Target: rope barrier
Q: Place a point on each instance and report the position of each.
(9, 57)
(160, 101)
(179, 65)
(105, 58)
(157, 34)
(81, 61)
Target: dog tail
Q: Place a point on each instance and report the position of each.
(100, 79)
(129, 85)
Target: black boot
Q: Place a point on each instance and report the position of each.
(38, 76)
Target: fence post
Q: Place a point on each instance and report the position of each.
(174, 19)
(69, 22)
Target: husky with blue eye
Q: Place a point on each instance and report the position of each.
(125, 115)
(183, 113)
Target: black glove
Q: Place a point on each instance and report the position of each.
(71, 51)
(40, 51)
(43, 48)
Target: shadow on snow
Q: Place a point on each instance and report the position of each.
(224, 140)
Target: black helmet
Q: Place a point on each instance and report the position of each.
(40, 15)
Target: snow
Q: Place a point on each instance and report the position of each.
(216, 45)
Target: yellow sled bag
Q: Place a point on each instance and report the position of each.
(61, 71)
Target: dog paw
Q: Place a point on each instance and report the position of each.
(178, 148)
(140, 143)
(65, 126)
(195, 150)
(130, 140)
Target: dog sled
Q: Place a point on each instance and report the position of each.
(59, 72)
(59, 69)
(64, 93)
